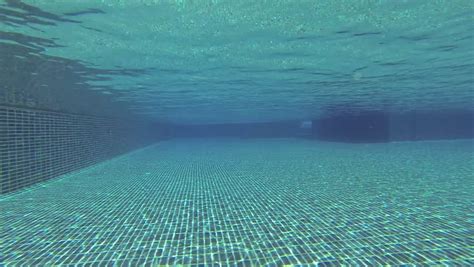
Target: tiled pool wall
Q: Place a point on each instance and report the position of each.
(351, 126)
(375, 126)
(38, 145)
(278, 129)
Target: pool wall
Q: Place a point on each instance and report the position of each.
(376, 127)
(282, 129)
(52, 121)
(37, 145)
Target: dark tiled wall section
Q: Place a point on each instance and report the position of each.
(381, 126)
(36, 145)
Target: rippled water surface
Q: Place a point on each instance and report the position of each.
(218, 60)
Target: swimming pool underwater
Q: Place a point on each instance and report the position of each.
(252, 202)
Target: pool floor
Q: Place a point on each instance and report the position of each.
(251, 202)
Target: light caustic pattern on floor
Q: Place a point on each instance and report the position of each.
(252, 202)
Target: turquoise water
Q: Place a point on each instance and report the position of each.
(239, 61)
(257, 202)
(236, 202)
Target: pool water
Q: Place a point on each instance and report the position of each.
(86, 83)
(252, 202)
(223, 61)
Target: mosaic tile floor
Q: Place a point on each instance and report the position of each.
(252, 203)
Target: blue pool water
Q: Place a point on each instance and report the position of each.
(236, 133)
(214, 61)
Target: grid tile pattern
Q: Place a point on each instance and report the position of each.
(252, 203)
(38, 145)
